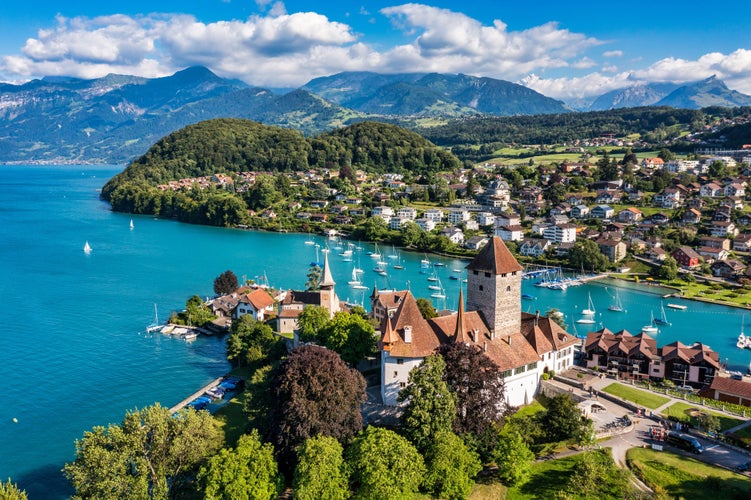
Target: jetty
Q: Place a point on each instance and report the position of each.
(214, 383)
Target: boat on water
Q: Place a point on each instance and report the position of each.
(439, 264)
(86, 248)
(190, 336)
(155, 326)
(616, 306)
(456, 270)
(525, 296)
(663, 319)
(393, 255)
(676, 306)
(355, 278)
(744, 342)
(376, 254)
(440, 293)
(586, 321)
(650, 328)
(452, 277)
(590, 310)
(424, 265)
(131, 224)
(433, 277)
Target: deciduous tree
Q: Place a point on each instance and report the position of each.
(451, 467)
(384, 465)
(247, 472)
(585, 254)
(431, 406)
(152, 454)
(310, 321)
(10, 491)
(314, 393)
(426, 308)
(320, 471)
(249, 341)
(225, 283)
(351, 335)
(513, 458)
(562, 419)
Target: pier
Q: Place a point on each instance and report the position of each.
(182, 404)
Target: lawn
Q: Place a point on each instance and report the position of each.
(641, 398)
(686, 412)
(685, 477)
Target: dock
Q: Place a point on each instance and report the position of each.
(179, 406)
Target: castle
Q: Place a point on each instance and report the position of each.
(523, 346)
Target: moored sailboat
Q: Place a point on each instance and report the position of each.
(86, 248)
(616, 306)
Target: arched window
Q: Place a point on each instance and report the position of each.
(508, 288)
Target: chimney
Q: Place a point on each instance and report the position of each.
(537, 317)
(485, 346)
(407, 334)
(508, 339)
(492, 334)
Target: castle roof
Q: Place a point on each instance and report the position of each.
(327, 281)
(496, 258)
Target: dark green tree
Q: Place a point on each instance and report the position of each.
(247, 472)
(321, 472)
(426, 308)
(431, 406)
(384, 465)
(10, 491)
(310, 321)
(586, 255)
(513, 458)
(451, 467)
(668, 270)
(563, 419)
(151, 454)
(226, 283)
(596, 476)
(314, 278)
(351, 335)
(314, 393)
(250, 341)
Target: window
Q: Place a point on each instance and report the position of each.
(521, 369)
(481, 288)
(532, 366)
(402, 384)
(487, 275)
(475, 273)
(399, 361)
(508, 288)
(507, 373)
(503, 275)
(396, 373)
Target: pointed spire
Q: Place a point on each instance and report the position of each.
(460, 334)
(496, 258)
(389, 335)
(327, 281)
(375, 291)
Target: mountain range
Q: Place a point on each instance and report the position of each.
(118, 117)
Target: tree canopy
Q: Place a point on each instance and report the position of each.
(314, 393)
(513, 458)
(226, 283)
(151, 454)
(351, 335)
(321, 471)
(451, 467)
(10, 491)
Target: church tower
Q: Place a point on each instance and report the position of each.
(329, 300)
(494, 288)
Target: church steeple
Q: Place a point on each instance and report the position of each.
(327, 281)
(460, 333)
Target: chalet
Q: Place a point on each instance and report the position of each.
(694, 365)
(533, 247)
(742, 242)
(711, 254)
(686, 257)
(580, 211)
(608, 196)
(258, 303)
(723, 229)
(713, 242)
(727, 268)
(630, 215)
(574, 199)
(711, 190)
(476, 242)
(454, 234)
(658, 219)
(561, 209)
(669, 197)
(652, 163)
(735, 189)
(744, 220)
(695, 202)
(691, 216)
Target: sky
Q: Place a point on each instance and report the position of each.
(566, 50)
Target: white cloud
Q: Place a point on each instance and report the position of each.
(612, 53)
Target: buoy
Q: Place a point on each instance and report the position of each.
(15, 420)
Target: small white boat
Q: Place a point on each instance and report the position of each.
(676, 306)
(586, 321)
(87, 248)
(155, 326)
(650, 328)
(616, 306)
(355, 279)
(131, 224)
(190, 336)
(590, 310)
(376, 254)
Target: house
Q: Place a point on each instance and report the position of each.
(426, 224)
(742, 242)
(580, 211)
(533, 247)
(686, 257)
(396, 223)
(694, 365)
(510, 233)
(382, 211)
(652, 163)
(727, 268)
(658, 219)
(630, 215)
(714, 242)
(691, 216)
(564, 233)
(486, 219)
(670, 197)
(729, 390)
(521, 346)
(711, 254)
(602, 212)
(735, 190)
(476, 242)
(258, 303)
(454, 234)
(723, 229)
(614, 250)
(458, 215)
(711, 190)
(505, 220)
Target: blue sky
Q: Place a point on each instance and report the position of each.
(566, 50)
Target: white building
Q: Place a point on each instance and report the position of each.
(457, 216)
(510, 233)
(434, 214)
(407, 213)
(426, 224)
(522, 346)
(563, 233)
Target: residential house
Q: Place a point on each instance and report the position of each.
(458, 215)
(602, 212)
(396, 223)
(727, 268)
(714, 242)
(476, 242)
(630, 215)
(652, 163)
(670, 198)
(409, 213)
(258, 303)
(454, 234)
(506, 219)
(564, 233)
(711, 190)
(686, 257)
(742, 243)
(580, 211)
(623, 355)
(711, 254)
(694, 365)
(723, 229)
(658, 219)
(735, 190)
(486, 219)
(382, 211)
(729, 390)
(691, 216)
(608, 197)
(613, 249)
(510, 233)
(426, 224)
(533, 247)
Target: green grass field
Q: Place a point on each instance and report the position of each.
(680, 476)
(641, 398)
(685, 412)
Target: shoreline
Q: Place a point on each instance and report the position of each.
(676, 293)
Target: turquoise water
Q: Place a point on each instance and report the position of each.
(73, 357)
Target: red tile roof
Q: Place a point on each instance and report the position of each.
(731, 387)
(496, 258)
(259, 299)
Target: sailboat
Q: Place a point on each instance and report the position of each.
(86, 248)
(438, 286)
(440, 293)
(663, 320)
(650, 328)
(155, 326)
(616, 306)
(424, 265)
(398, 264)
(355, 279)
(743, 341)
(393, 254)
(590, 310)
(310, 241)
(376, 254)
(131, 224)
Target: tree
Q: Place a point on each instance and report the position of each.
(478, 386)
(152, 454)
(320, 471)
(556, 315)
(351, 335)
(666, 154)
(259, 401)
(710, 422)
(426, 308)
(563, 419)
(249, 341)
(10, 491)
(668, 270)
(596, 476)
(247, 472)
(314, 393)
(451, 467)
(431, 406)
(310, 321)
(225, 283)
(314, 278)
(585, 254)
(384, 465)
(513, 458)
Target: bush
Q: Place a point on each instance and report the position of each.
(545, 376)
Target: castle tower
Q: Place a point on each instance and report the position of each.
(494, 288)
